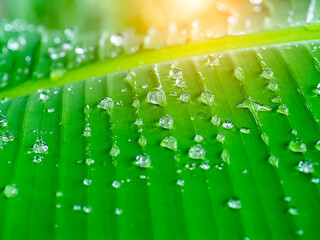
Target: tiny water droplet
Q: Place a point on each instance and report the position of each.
(142, 141)
(315, 180)
(37, 159)
(40, 146)
(293, 211)
(213, 60)
(114, 151)
(283, 109)
(197, 152)
(107, 104)
(166, 121)
(10, 191)
(305, 166)
(317, 146)
(245, 130)
(297, 145)
(265, 138)
(198, 138)
(170, 143)
(116, 184)
(216, 121)
(227, 124)
(157, 96)
(205, 165)
(3, 121)
(239, 73)
(207, 98)
(234, 203)
(225, 156)
(87, 209)
(7, 136)
(139, 122)
(267, 73)
(87, 182)
(221, 138)
(175, 73)
(76, 208)
(185, 97)
(136, 103)
(180, 182)
(180, 83)
(273, 86)
(143, 160)
(131, 78)
(277, 99)
(287, 198)
(118, 211)
(273, 160)
(44, 94)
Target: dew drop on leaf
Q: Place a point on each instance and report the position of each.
(136, 103)
(142, 141)
(305, 166)
(87, 182)
(198, 138)
(143, 160)
(213, 60)
(207, 98)
(139, 122)
(197, 152)
(317, 146)
(273, 86)
(227, 124)
(185, 97)
(216, 121)
(273, 160)
(37, 159)
(205, 165)
(3, 121)
(225, 156)
(116, 184)
(170, 143)
(107, 104)
(234, 203)
(245, 130)
(114, 151)
(283, 109)
(239, 73)
(131, 78)
(40, 146)
(297, 145)
(293, 211)
(118, 211)
(180, 182)
(267, 73)
(276, 100)
(166, 121)
(221, 138)
(175, 73)
(157, 96)
(10, 191)
(7, 136)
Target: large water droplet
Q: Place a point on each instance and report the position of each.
(166, 121)
(157, 96)
(197, 152)
(207, 98)
(44, 94)
(297, 145)
(170, 143)
(107, 104)
(143, 160)
(10, 191)
(234, 203)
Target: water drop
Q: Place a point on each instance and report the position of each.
(207, 98)
(265, 138)
(76, 208)
(221, 138)
(50, 110)
(87, 182)
(114, 151)
(317, 90)
(239, 73)
(185, 97)
(213, 60)
(87, 209)
(273, 86)
(44, 94)
(180, 83)
(37, 159)
(40, 146)
(216, 120)
(87, 130)
(277, 99)
(267, 73)
(157, 96)
(234, 203)
(89, 161)
(287, 198)
(293, 211)
(254, 106)
(283, 109)
(116, 184)
(197, 152)
(198, 138)
(143, 160)
(305, 166)
(180, 182)
(317, 146)
(297, 145)
(142, 141)
(225, 156)
(10, 191)
(170, 143)
(131, 78)
(166, 121)
(175, 73)
(315, 180)
(3, 121)
(273, 160)
(139, 122)
(205, 165)
(7, 136)
(136, 104)
(107, 104)
(245, 130)
(227, 124)
(118, 211)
